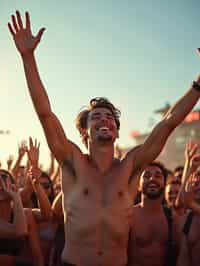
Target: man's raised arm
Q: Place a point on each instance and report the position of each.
(26, 44)
(157, 139)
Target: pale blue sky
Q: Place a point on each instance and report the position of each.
(140, 54)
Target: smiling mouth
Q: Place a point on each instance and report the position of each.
(104, 129)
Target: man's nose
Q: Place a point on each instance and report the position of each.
(152, 177)
(103, 118)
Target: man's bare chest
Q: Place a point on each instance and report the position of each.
(99, 191)
(99, 188)
(149, 230)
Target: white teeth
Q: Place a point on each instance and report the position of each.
(104, 128)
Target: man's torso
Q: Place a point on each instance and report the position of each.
(97, 209)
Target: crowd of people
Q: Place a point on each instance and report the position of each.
(96, 209)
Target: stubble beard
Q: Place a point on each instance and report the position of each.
(155, 195)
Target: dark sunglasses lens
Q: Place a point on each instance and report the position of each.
(45, 185)
(3, 176)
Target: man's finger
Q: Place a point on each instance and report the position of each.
(28, 23)
(19, 20)
(15, 23)
(11, 29)
(35, 143)
(30, 142)
(40, 33)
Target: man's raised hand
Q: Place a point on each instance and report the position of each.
(23, 37)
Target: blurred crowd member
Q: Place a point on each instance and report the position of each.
(13, 225)
(155, 241)
(190, 244)
(59, 241)
(19, 171)
(43, 189)
(190, 196)
(172, 189)
(178, 172)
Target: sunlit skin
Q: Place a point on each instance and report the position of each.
(149, 229)
(101, 125)
(152, 181)
(171, 192)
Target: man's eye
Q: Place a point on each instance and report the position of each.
(95, 116)
(158, 176)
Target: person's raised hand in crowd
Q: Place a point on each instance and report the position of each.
(191, 196)
(9, 162)
(22, 34)
(17, 169)
(190, 151)
(33, 152)
(192, 161)
(34, 173)
(22, 148)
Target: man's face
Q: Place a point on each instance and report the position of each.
(101, 126)
(152, 182)
(171, 192)
(178, 175)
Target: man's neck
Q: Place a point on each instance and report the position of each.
(151, 204)
(102, 156)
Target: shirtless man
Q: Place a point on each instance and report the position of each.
(96, 186)
(149, 236)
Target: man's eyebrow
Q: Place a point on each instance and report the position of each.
(158, 172)
(96, 113)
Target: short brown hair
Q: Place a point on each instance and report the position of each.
(98, 102)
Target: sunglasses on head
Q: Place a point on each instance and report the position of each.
(4, 176)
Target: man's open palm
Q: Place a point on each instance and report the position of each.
(23, 37)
